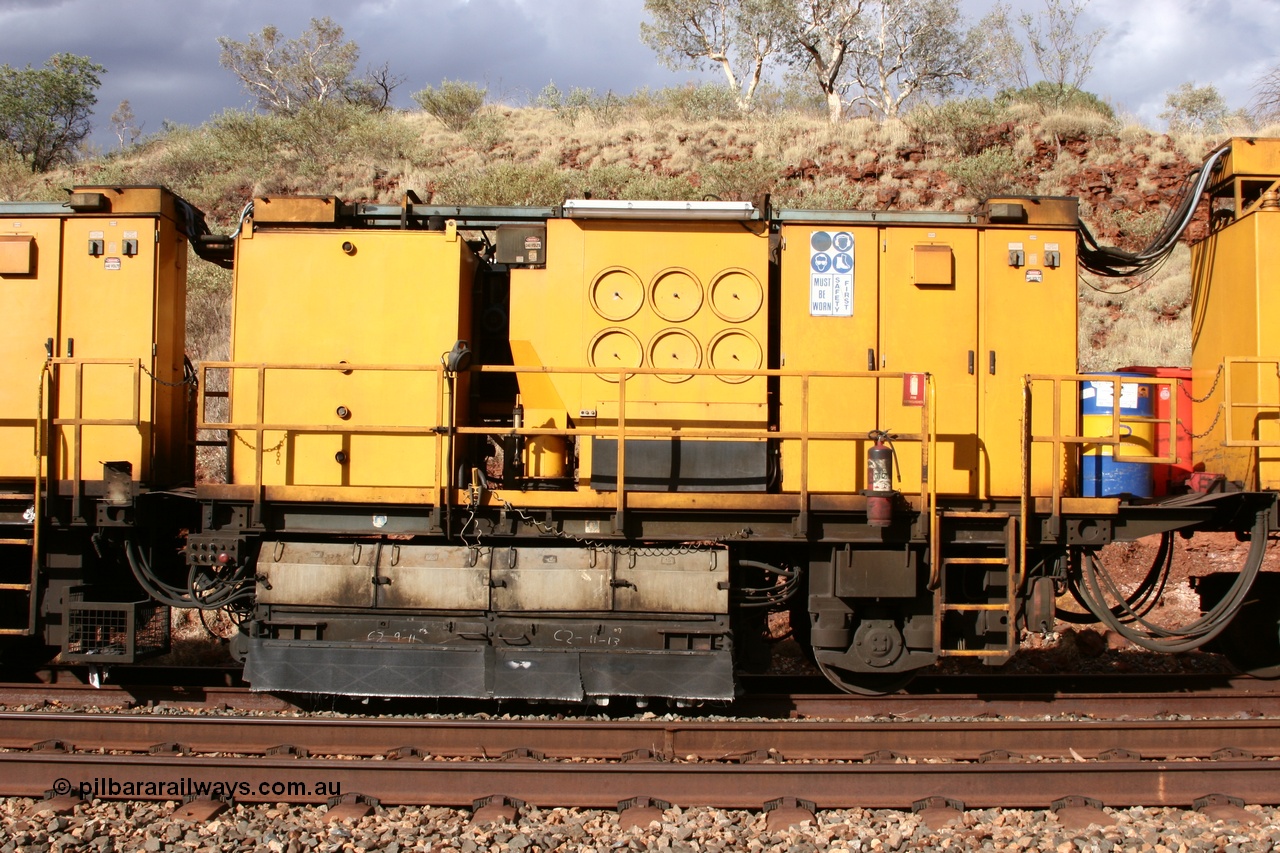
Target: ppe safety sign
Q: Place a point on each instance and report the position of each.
(831, 274)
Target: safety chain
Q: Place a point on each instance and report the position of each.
(691, 548)
(275, 450)
(186, 380)
(1216, 418)
(1216, 378)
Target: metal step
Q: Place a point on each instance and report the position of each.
(996, 652)
(20, 594)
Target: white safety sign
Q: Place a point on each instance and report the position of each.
(1104, 392)
(831, 274)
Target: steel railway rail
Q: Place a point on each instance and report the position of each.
(1131, 695)
(595, 763)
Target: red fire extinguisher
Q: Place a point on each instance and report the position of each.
(879, 480)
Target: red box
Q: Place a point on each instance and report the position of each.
(1171, 479)
(913, 385)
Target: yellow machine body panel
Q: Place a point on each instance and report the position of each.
(386, 303)
(977, 305)
(829, 321)
(108, 289)
(1027, 325)
(29, 300)
(652, 294)
(1250, 157)
(931, 325)
(1236, 314)
(127, 304)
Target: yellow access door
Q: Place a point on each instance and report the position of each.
(108, 312)
(1028, 327)
(929, 323)
(29, 300)
(829, 317)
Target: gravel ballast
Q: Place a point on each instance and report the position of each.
(107, 826)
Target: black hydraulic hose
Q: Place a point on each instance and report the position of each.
(1143, 599)
(139, 566)
(171, 595)
(1198, 633)
(771, 596)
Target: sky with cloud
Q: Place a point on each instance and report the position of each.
(162, 55)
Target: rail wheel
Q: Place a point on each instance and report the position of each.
(867, 683)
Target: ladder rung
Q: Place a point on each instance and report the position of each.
(975, 607)
(975, 561)
(10, 496)
(15, 632)
(16, 541)
(15, 587)
(956, 513)
(974, 653)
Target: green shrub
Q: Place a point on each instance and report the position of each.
(1077, 124)
(706, 102)
(567, 107)
(740, 180)
(691, 103)
(608, 181)
(607, 109)
(506, 183)
(1049, 97)
(455, 103)
(485, 132)
(962, 125)
(993, 172)
(848, 197)
(647, 185)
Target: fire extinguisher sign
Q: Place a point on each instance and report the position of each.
(831, 274)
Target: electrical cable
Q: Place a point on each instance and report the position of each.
(1110, 262)
(225, 593)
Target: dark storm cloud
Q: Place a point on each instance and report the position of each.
(162, 55)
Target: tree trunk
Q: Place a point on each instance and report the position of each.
(835, 108)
